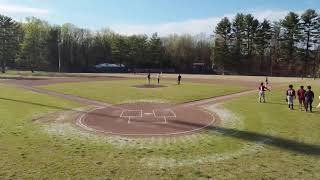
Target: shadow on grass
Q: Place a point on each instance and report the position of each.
(282, 143)
(276, 103)
(296, 106)
(55, 107)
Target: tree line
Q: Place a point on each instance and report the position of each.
(289, 47)
(242, 45)
(37, 45)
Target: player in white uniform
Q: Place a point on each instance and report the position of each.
(262, 96)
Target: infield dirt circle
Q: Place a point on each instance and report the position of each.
(149, 86)
(146, 119)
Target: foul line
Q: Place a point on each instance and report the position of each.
(80, 123)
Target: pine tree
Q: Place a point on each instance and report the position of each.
(250, 32)
(34, 51)
(221, 52)
(262, 41)
(9, 39)
(238, 28)
(291, 36)
(155, 50)
(310, 28)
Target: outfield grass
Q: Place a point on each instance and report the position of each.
(117, 92)
(234, 151)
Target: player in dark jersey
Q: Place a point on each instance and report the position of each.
(291, 94)
(302, 98)
(149, 78)
(158, 77)
(179, 79)
(267, 81)
(309, 99)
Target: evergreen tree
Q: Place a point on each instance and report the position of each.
(238, 29)
(310, 28)
(291, 36)
(155, 51)
(250, 32)
(221, 52)
(33, 47)
(9, 40)
(262, 41)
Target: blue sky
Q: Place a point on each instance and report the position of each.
(147, 16)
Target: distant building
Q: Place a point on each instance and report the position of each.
(106, 67)
(198, 68)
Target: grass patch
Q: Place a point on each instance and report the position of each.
(294, 135)
(24, 149)
(276, 116)
(29, 73)
(121, 91)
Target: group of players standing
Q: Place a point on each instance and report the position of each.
(305, 96)
(159, 77)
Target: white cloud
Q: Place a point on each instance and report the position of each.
(193, 26)
(21, 9)
(190, 26)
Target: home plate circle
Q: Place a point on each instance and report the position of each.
(146, 119)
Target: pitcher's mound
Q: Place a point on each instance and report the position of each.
(149, 86)
(146, 119)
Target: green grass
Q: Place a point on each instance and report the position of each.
(294, 151)
(30, 151)
(116, 92)
(24, 149)
(29, 73)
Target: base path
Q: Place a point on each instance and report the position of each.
(218, 99)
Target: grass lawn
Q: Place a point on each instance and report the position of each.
(117, 92)
(265, 141)
(294, 150)
(14, 73)
(25, 151)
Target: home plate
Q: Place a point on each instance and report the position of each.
(148, 114)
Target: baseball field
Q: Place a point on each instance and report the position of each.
(117, 126)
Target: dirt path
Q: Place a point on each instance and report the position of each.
(218, 99)
(80, 100)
